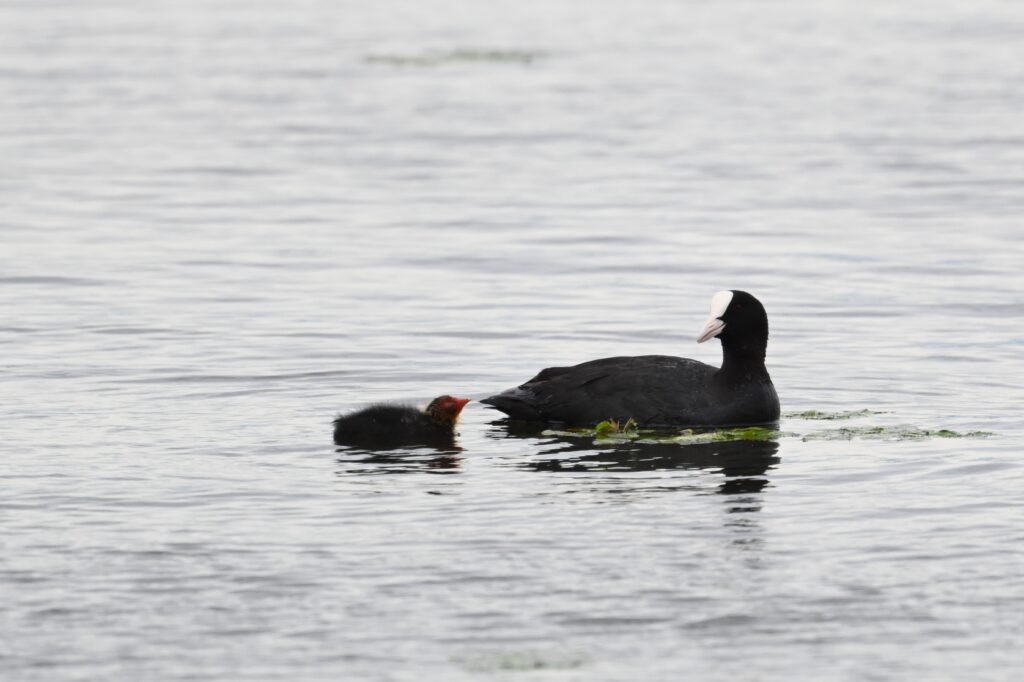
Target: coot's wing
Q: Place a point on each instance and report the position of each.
(651, 389)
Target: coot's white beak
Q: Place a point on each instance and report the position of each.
(714, 326)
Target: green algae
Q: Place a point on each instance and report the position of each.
(830, 416)
(902, 432)
(523, 661)
(457, 56)
(611, 432)
(690, 436)
(610, 427)
(898, 432)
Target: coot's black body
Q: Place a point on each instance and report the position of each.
(659, 390)
(382, 426)
(654, 390)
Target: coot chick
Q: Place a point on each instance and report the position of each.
(660, 390)
(397, 425)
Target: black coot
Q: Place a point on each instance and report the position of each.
(398, 425)
(659, 390)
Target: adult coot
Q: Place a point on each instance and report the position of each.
(398, 425)
(659, 390)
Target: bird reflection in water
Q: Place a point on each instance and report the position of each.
(744, 464)
(437, 458)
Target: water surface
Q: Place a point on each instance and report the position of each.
(224, 222)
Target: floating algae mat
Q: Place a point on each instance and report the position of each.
(722, 435)
(611, 432)
(523, 660)
(830, 416)
(900, 432)
(465, 55)
(896, 432)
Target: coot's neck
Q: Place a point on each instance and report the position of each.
(743, 362)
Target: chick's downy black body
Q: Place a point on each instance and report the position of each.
(660, 390)
(387, 425)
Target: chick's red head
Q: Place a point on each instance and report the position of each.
(446, 408)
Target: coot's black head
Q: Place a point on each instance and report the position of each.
(739, 321)
(445, 408)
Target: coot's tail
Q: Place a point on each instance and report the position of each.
(516, 403)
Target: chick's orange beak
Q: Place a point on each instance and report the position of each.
(459, 403)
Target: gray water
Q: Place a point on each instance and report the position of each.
(225, 222)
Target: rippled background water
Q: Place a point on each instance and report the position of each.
(223, 222)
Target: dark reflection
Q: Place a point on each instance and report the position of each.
(394, 460)
(374, 439)
(743, 463)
